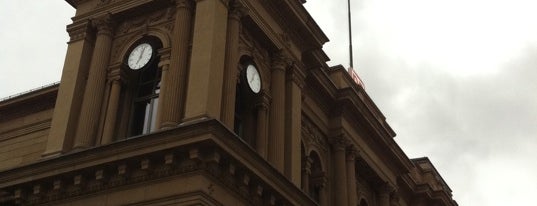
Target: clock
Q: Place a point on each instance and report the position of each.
(140, 56)
(253, 78)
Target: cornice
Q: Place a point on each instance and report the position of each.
(202, 147)
(75, 3)
(296, 21)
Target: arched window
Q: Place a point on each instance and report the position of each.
(363, 203)
(145, 104)
(143, 86)
(317, 177)
(246, 98)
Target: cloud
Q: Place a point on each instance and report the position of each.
(455, 80)
(34, 43)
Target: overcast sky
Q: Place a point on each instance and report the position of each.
(455, 79)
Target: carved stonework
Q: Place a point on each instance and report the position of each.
(352, 153)
(78, 31)
(161, 20)
(312, 135)
(286, 39)
(281, 61)
(103, 2)
(146, 21)
(249, 46)
(295, 74)
(104, 25)
(237, 10)
(339, 142)
(136, 170)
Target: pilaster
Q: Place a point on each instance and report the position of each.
(174, 76)
(351, 175)
(112, 108)
(339, 144)
(206, 74)
(232, 62)
(306, 173)
(277, 112)
(68, 102)
(94, 92)
(262, 124)
(384, 192)
(293, 118)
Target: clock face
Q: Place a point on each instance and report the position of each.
(253, 78)
(140, 56)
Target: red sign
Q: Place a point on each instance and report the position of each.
(355, 77)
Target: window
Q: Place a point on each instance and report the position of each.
(245, 122)
(145, 104)
(143, 83)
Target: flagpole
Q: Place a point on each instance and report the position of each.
(350, 32)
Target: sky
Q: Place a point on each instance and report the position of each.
(455, 79)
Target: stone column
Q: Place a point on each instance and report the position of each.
(306, 173)
(293, 129)
(111, 111)
(277, 113)
(351, 176)
(339, 159)
(93, 94)
(232, 63)
(394, 200)
(68, 102)
(384, 194)
(164, 65)
(172, 93)
(321, 184)
(262, 123)
(206, 74)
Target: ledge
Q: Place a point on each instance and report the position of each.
(202, 146)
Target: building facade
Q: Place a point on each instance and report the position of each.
(205, 102)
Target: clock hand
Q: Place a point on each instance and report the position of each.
(140, 56)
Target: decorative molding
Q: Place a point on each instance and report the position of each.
(205, 157)
(103, 3)
(147, 21)
(183, 4)
(27, 129)
(78, 31)
(263, 101)
(237, 10)
(339, 142)
(312, 135)
(295, 74)
(137, 27)
(281, 61)
(104, 25)
(352, 153)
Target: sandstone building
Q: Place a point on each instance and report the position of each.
(205, 102)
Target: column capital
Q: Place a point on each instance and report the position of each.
(386, 189)
(307, 164)
(281, 61)
(165, 54)
(79, 30)
(339, 142)
(352, 153)
(103, 24)
(116, 74)
(183, 4)
(295, 74)
(319, 180)
(394, 199)
(263, 101)
(237, 10)
(225, 2)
